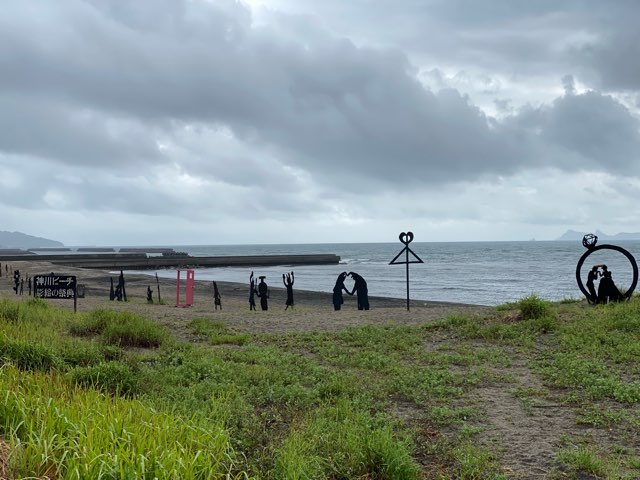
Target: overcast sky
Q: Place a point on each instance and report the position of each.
(154, 122)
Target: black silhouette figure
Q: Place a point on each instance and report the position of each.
(112, 293)
(16, 281)
(217, 300)
(29, 284)
(21, 286)
(263, 293)
(361, 290)
(337, 291)
(149, 294)
(122, 289)
(591, 277)
(252, 291)
(607, 290)
(118, 293)
(289, 284)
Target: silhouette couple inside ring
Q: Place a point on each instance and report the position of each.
(607, 289)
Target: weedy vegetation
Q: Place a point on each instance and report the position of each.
(114, 395)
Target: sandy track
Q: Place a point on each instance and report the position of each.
(312, 311)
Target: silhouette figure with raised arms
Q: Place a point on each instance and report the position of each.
(288, 283)
(263, 293)
(337, 291)
(361, 290)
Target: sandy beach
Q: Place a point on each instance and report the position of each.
(312, 310)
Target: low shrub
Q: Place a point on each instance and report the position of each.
(533, 307)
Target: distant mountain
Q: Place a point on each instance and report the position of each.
(22, 240)
(572, 236)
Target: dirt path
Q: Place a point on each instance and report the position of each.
(526, 427)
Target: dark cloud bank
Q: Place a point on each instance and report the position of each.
(145, 88)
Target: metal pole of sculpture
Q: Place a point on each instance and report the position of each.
(406, 239)
(607, 290)
(158, 284)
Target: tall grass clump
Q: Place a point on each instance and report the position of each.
(65, 432)
(533, 307)
(27, 356)
(123, 329)
(112, 377)
(9, 311)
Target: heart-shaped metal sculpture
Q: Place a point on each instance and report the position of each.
(406, 237)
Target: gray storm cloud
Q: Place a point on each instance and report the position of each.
(203, 94)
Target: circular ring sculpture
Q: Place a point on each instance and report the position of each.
(589, 242)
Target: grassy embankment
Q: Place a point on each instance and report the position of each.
(113, 395)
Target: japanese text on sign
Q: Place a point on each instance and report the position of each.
(55, 286)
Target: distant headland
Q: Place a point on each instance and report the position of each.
(22, 240)
(572, 236)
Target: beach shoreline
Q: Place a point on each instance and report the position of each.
(312, 311)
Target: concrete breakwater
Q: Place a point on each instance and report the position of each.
(140, 261)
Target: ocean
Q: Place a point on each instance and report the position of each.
(483, 273)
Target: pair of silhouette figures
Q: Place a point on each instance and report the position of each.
(607, 289)
(359, 288)
(262, 291)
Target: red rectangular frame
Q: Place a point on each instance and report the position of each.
(190, 282)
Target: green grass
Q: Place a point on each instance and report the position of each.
(55, 429)
(113, 394)
(119, 328)
(217, 333)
